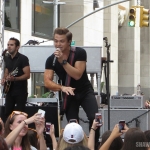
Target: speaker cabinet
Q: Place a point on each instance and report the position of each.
(129, 115)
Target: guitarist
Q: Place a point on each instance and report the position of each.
(80, 91)
(17, 94)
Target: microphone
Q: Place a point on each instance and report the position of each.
(105, 38)
(54, 60)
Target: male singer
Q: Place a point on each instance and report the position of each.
(80, 90)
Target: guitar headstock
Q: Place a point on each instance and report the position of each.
(13, 73)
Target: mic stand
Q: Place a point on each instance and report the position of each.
(107, 78)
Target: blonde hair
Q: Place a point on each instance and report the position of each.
(62, 144)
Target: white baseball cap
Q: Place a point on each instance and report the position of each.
(73, 133)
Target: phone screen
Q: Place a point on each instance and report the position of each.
(121, 125)
(42, 112)
(48, 125)
(98, 118)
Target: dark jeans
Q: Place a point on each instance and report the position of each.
(11, 101)
(87, 100)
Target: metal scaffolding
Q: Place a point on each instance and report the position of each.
(2, 3)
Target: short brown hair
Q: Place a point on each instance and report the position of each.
(17, 42)
(63, 31)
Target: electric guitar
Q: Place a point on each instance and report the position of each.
(8, 83)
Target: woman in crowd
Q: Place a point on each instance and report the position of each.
(116, 144)
(135, 139)
(73, 135)
(114, 134)
(16, 128)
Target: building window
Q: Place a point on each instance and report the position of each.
(42, 19)
(12, 17)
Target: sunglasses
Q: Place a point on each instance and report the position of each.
(17, 113)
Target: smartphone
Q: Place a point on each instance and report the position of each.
(42, 112)
(73, 120)
(48, 125)
(121, 125)
(98, 118)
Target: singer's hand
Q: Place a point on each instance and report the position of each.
(68, 90)
(59, 55)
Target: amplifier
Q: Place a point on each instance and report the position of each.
(143, 116)
(126, 101)
(115, 116)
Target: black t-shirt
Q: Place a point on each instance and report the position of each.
(83, 82)
(19, 61)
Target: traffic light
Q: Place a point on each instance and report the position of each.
(144, 18)
(132, 16)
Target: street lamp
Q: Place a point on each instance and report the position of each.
(55, 3)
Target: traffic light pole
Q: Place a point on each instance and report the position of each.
(96, 11)
(108, 54)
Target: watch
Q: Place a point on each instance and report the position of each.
(64, 62)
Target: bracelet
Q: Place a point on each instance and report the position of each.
(25, 122)
(93, 129)
(14, 78)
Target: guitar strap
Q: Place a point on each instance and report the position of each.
(67, 81)
(15, 63)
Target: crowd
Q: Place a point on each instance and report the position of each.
(15, 135)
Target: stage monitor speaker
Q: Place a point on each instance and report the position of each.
(126, 101)
(51, 115)
(129, 115)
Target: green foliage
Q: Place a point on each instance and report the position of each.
(48, 95)
(32, 96)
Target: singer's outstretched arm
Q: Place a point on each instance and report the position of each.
(50, 84)
(48, 81)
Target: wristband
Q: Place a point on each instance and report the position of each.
(14, 78)
(93, 129)
(25, 122)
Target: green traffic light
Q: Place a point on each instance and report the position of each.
(131, 23)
